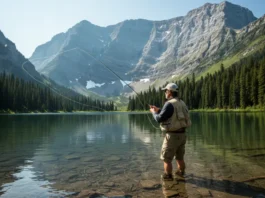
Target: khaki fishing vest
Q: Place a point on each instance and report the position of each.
(179, 119)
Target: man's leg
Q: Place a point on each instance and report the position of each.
(168, 167)
(167, 154)
(181, 168)
(181, 165)
(180, 155)
(167, 176)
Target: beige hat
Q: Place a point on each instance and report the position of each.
(171, 87)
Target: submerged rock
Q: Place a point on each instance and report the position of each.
(92, 170)
(204, 192)
(113, 158)
(72, 157)
(116, 172)
(48, 158)
(150, 184)
(109, 184)
(89, 159)
(87, 193)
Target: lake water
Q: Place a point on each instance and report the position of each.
(117, 155)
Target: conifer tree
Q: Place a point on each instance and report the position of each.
(261, 83)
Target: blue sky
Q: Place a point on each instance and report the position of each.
(29, 23)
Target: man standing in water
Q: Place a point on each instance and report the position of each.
(173, 119)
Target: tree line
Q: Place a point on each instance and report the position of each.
(19, 95)
(241, 85)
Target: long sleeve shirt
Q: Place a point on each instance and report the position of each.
(164, 114)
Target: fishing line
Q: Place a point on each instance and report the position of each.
(108, 68)
(89, 54)
(54, 90)
(114, 73)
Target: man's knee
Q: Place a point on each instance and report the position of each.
(180, 158)
(167, 155)
(167, 161)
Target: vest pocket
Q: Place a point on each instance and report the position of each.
(181, 119)
(181, 116)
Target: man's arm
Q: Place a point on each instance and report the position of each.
(166, 112)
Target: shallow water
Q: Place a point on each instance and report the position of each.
(118, 154)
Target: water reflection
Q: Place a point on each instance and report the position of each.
(118, 154)
(76, 152)
(35, 186)
(228, 148)
(241, 133)
(223, 150)
(144, 122)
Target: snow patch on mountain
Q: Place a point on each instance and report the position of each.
(125, 82)
(90, 84)
(145, 80)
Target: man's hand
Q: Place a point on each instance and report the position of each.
(153, 109)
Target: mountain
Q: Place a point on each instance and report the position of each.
(89, 57)
(11, 60)
(249, 40)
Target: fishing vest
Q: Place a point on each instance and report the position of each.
(179, 119)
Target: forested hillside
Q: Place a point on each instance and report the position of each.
(239, 86)
(25, 96)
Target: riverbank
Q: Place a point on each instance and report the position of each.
(45, 112)
(123, 111)
(72, 112)
(228, 110)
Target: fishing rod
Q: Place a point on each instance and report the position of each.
(121, 80)
(93, 57)
(108, 68)
(54, 90)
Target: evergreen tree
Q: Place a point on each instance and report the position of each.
(254, 87)
(261, 83)
(242, 88)
(24, 96)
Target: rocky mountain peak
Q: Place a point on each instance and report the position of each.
(142, 49)
(231, 15)
(236, 16)
(85, 25)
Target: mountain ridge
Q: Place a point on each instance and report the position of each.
(143, 49)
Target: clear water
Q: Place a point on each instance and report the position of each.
(117, 154)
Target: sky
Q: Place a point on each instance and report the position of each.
(30, 23)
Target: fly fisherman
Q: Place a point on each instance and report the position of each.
(173, 119)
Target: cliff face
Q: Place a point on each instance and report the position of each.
(140, 50)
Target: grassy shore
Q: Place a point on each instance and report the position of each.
(248, 109)
(31, 112)
(229, 110)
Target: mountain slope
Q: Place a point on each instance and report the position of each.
(203, 33)
(140, 50)
(11, 60)
(250, 39)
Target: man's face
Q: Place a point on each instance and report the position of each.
(167, 94)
